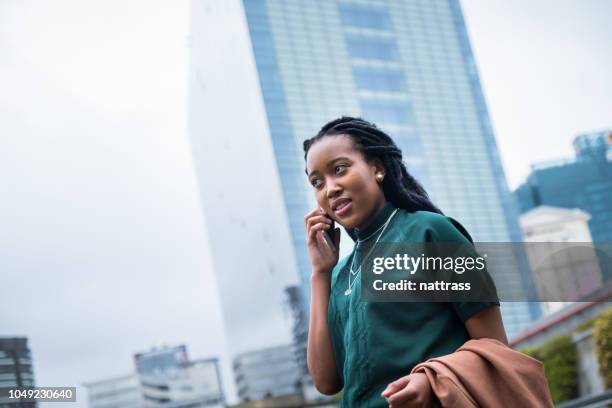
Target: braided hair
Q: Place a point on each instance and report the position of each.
(399, 187)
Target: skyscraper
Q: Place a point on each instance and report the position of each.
(266, 74)
(584, 182)
(16, 370)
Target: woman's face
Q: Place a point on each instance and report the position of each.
(344, 183)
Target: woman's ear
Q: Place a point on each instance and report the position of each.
(379, 169)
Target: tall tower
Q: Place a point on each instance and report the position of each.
(17, 369)
(584, 181)
(266, 74)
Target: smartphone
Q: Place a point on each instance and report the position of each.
(328, 234)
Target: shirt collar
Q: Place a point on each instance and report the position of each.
(379, 219)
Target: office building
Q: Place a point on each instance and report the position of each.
(194, 384)
(163, 377)
(117, 392)
(299, 314)
(267, 373)
(168, 378)
(267, 74)
(584, 182)
(16, 369)
(563, 272)
(161, 360)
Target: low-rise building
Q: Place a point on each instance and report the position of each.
(266, 373)
(561, 255)
(168, 378)
(116, 392)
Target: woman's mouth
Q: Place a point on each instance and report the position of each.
(343, 207)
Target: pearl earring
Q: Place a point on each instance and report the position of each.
(379, 177)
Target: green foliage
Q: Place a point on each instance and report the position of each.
(602, 334)
(532, 352)
(587, 324)
(559, 358)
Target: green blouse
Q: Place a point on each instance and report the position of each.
(376, 343)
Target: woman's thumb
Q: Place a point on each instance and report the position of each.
(395, 386)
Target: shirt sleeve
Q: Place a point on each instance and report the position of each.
(465, 310)
(446, 229)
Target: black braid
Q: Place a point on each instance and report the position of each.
(399, 187)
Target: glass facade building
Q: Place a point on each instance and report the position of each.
(267, 74)
(583, 182)
(168, 378)
(159, 361)
(406, 66)
(267, 373)
(16, 369)
(117, 392)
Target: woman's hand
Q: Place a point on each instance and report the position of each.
(322, 257)
(411, 391)
(320, 355)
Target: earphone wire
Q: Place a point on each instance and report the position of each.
(355, 273)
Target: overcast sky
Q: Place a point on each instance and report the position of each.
(102, 242)
(545, 69)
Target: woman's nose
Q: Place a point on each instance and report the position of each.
(333, 188)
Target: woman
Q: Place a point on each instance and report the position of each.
(364, 348)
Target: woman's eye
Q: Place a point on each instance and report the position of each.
(340, 168)
(315, 182)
